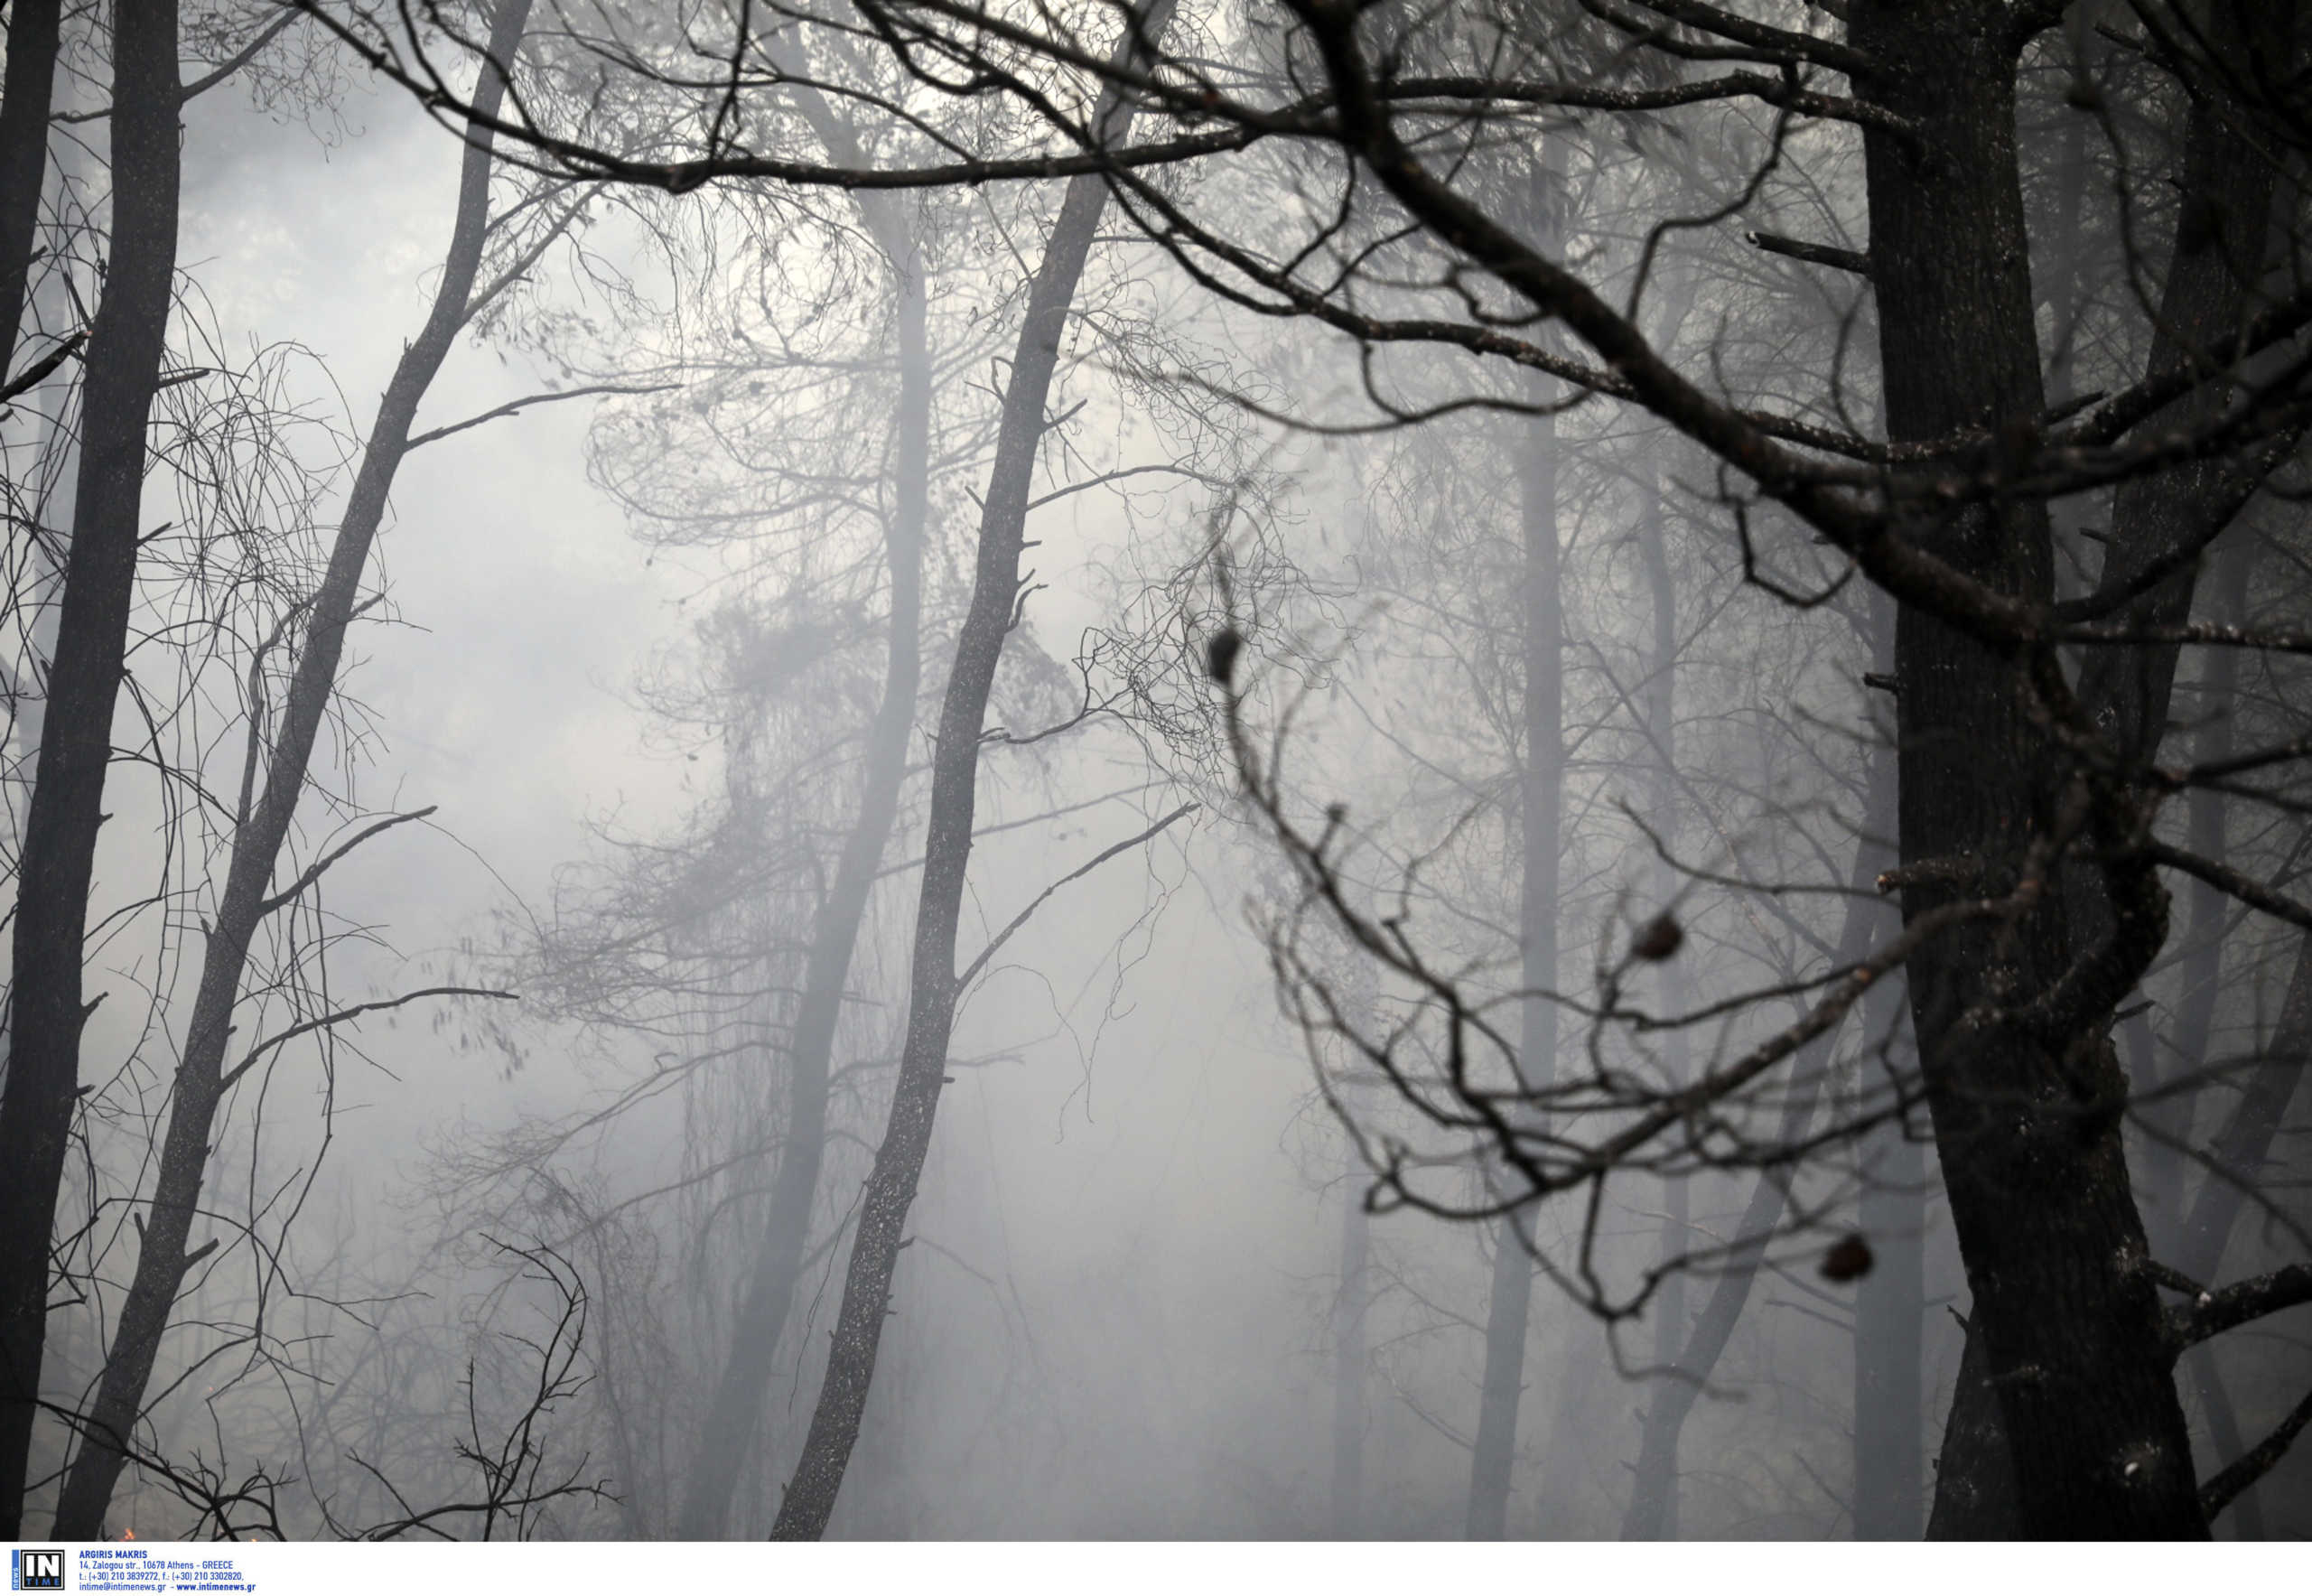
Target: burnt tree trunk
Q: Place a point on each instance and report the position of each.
(201, 1079)
(2026, 1122)
(2211, 286)
(24, 98)
(954, 770)
(59, 842)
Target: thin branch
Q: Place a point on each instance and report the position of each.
(2211, 1313)
(516, 406)
(37, 372)
(323, 1020)
(1826, 255)
(1081, 872)
(314, 872)
(2231, 882)
(247, 53)
(2217, 1493)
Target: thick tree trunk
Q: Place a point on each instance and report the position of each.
(737, 1409)
(996, 597)
(123, 365)
(2210, 287)
(25, 97)
(1673, 1398)
(201, 1079)
(2027, 1123)
(1509, 1299)
(49, 492)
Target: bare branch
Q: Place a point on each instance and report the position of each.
(516, 406)
(313, 872)
(2211, 1313)
(1081, 871)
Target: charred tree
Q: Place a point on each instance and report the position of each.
(2025, 1110)
(994, 608)
(2161, 523)
(25, 94)
(47, 1009)
(202, 1077)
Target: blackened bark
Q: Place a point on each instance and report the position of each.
(201, 1079)
(737, 1408)
(954, 770)
(24, 98)
(2210, 289)
(2027, 1123)
(1974, 1474)
(123, 366)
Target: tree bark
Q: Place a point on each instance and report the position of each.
(1974, 1473)
(123, 366)
(995, 599)
(201, 1079)
(25, 93)
(2210, 287)
(2027, 1123)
